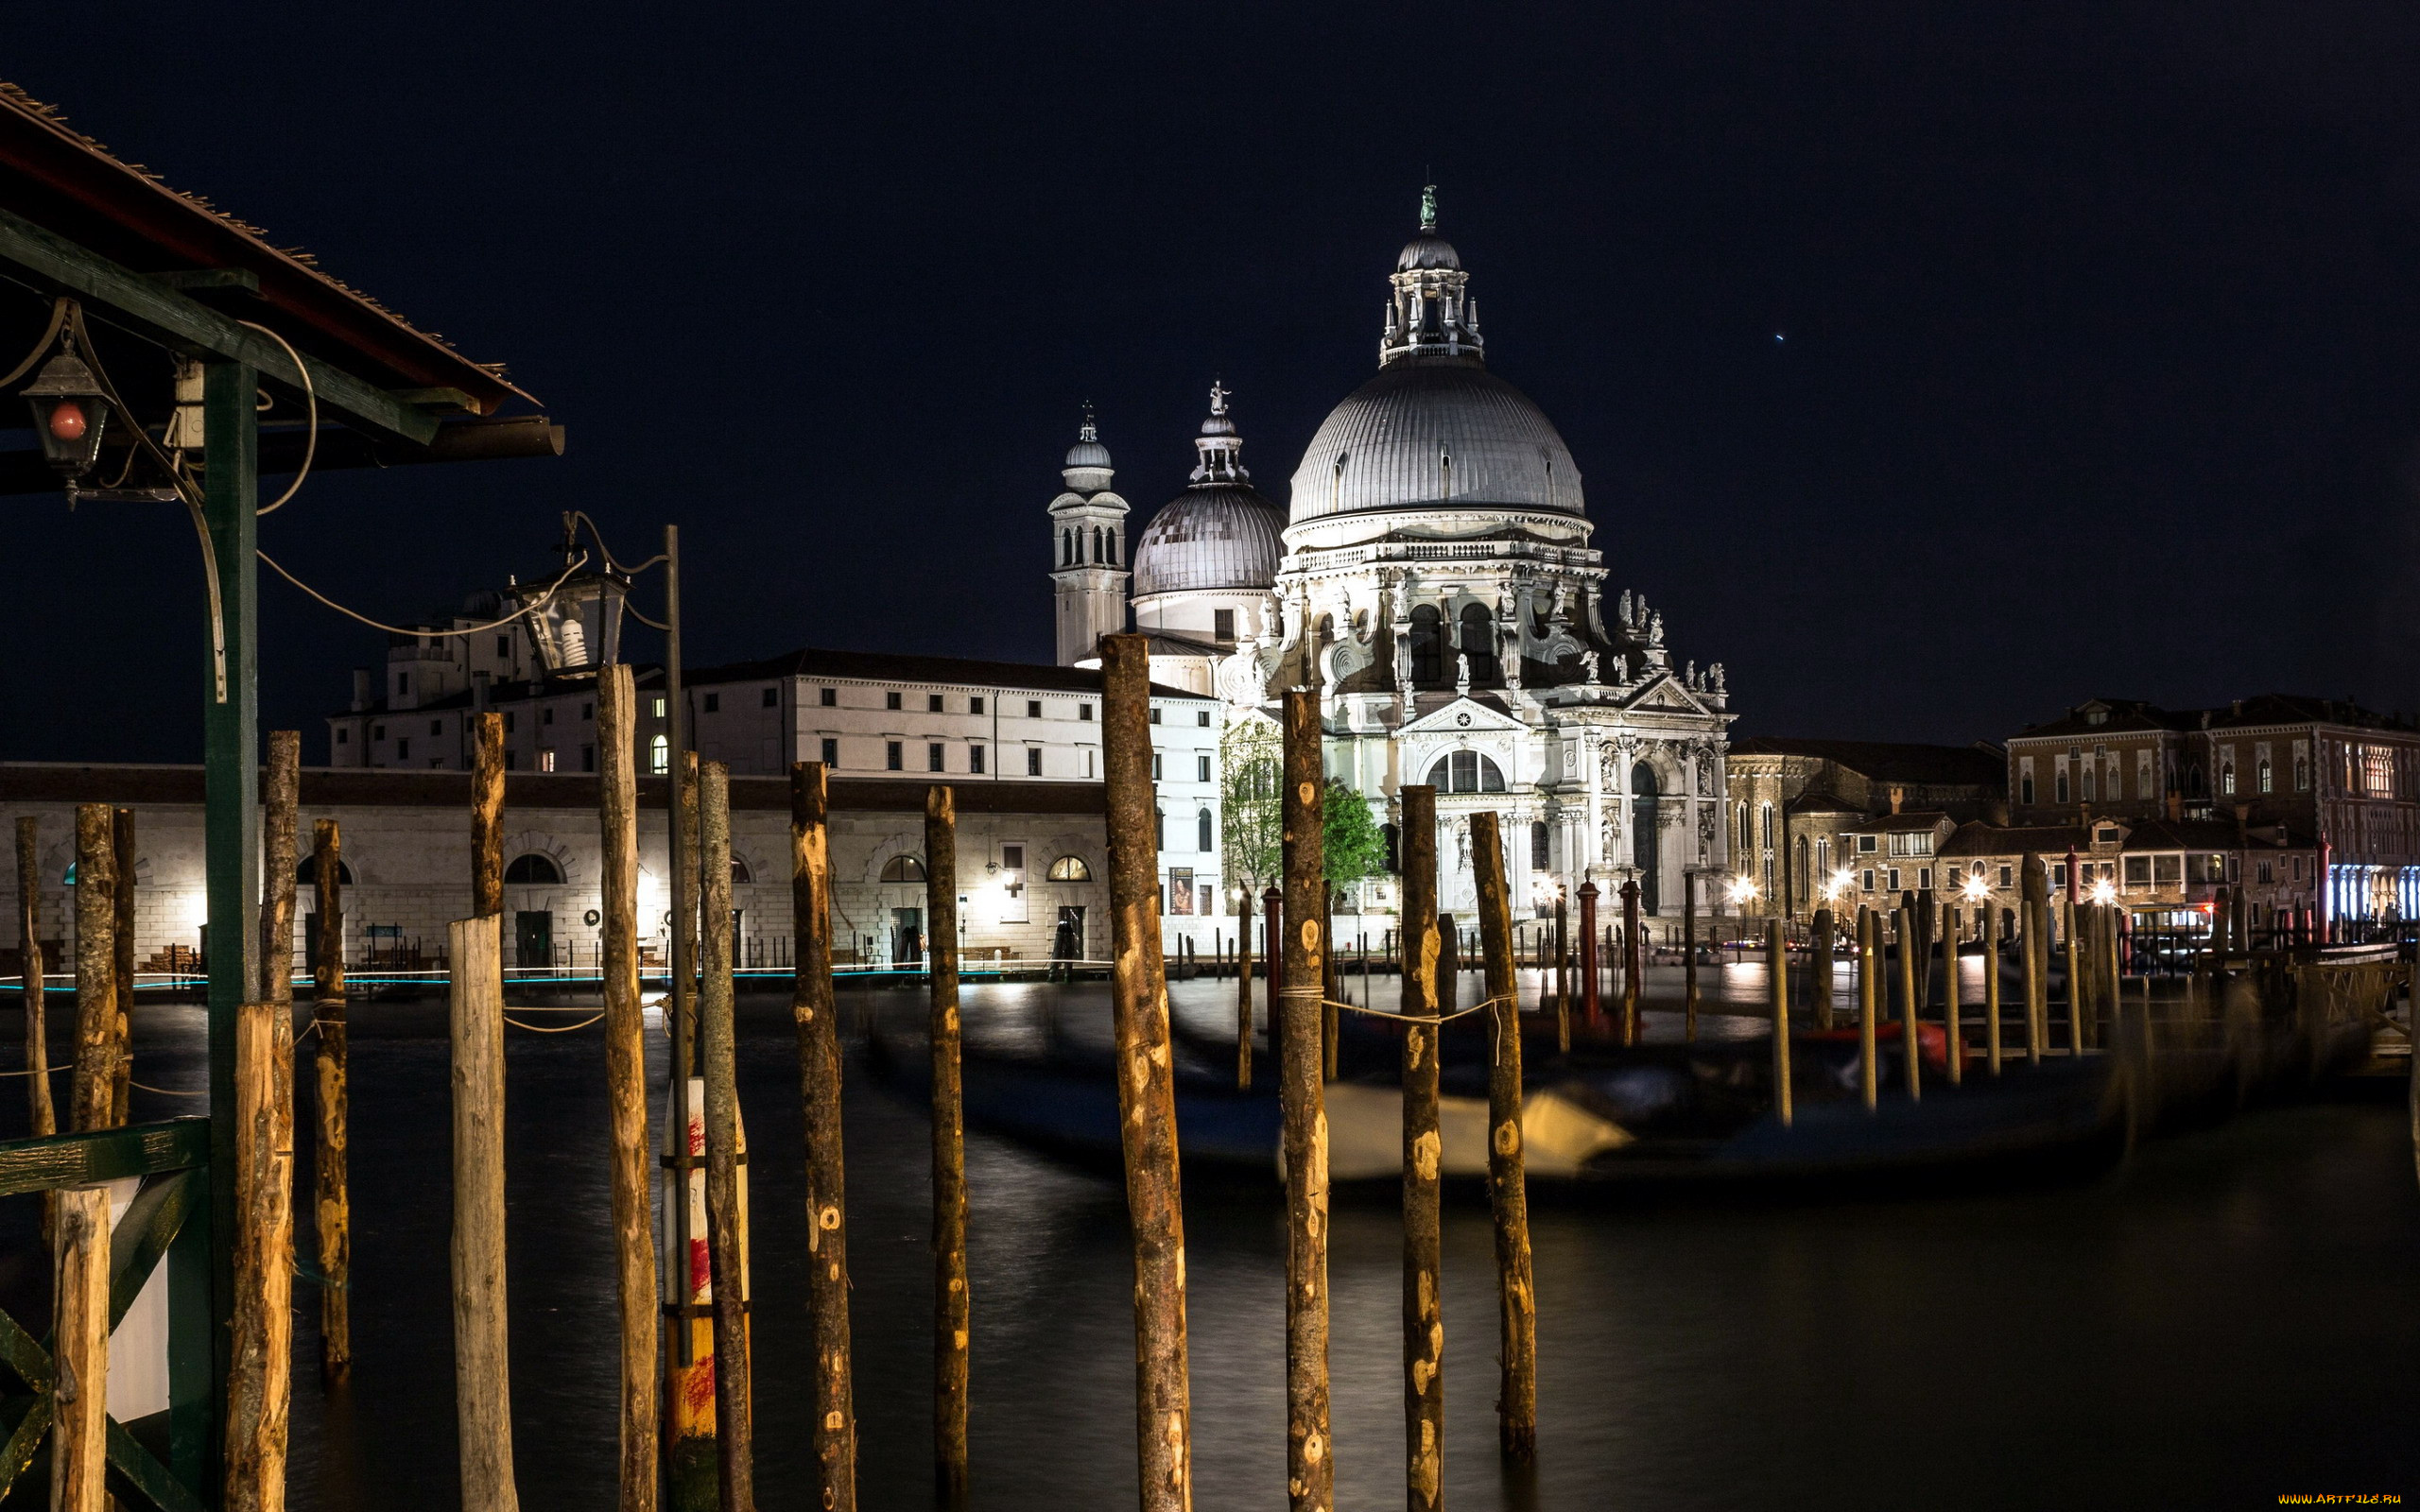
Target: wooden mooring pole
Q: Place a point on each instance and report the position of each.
(260, 1383)
(97, 1047)
(43, 1115)
(1634, 963)
(122, 940)
(1310, 1471)
(1689, 957)
(1953, 1013)
(1777, 982)
(1819, 966)
(726, 1232)
(1562, 942)
(80, 1351)
(1991, 929)
(1243, 992)
(819, 1065)
(1516, 1403)
(638, 1461)
(2035, 891)
(1869, 981)
(482, 1373)
(1146, 1084)
(952, 1312)
(331, 1205)
(1908, 1001)
(1424, 1314)
(1591, 1004)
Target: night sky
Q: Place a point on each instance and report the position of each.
(1934, 370)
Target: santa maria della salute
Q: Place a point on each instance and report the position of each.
(1430, 574)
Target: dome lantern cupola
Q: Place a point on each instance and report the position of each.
(1087, 468)
(1431, 315)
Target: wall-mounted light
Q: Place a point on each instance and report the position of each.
(70, 413)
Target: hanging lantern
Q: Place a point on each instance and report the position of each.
(578, 629)
(70, 412)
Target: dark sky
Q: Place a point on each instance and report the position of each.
(1934, 368)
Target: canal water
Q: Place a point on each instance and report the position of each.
(2231, 1316)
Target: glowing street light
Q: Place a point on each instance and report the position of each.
(2104, 891)
(1743, 889)
(1978, 890)
(1839, 882)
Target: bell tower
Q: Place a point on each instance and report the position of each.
(1088, 571)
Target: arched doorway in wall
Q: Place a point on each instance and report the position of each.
(1427, 647)
(1646, 843)
(1478, 643)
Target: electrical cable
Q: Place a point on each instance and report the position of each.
(59, 309)
(535, 605)
(311, 413)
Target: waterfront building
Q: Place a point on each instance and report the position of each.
(1830, 822)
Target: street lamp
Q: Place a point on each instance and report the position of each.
(1839, 882)
(1743, 889)
(575, 618)
(69, 411)
(2104, 891)
(1978, 890)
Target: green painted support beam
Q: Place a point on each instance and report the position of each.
(56, 1161)
(151, 307)
(230, 806)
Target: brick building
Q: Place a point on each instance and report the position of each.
(1814, 818)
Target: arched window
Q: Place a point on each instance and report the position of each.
(1203, 837)
(658, 755)
(1113, 548)
(533, 870)
(1466, 771)
(1427, 647)
(2268, 783)
(1478, 643)
(1336, 483)
(307, 874)
(1070, 868)
(740, 875)
(2226, 779)
(902, 868)
(1539, 846)
(2194, 780)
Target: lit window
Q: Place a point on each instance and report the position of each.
(2268, 784)
(659, 753)
(1070, 868)
(546, 760)
(658, 708)
(904, 868)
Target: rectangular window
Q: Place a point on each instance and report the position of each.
(1223, 626)
(436, 727)
(1867, 877)
(1866, 844)
(1033, 761)
(890, 700)
(1957, 875)
(2059, 787)
(512, 761)
(1012, 858)
(509, 720)
(975, 759)
(1924, 879)
(588, 758)
(828, 698)
(1201, 769)
(1893, 873)
(2008, 878)
(587, 712)
(1155, 713)
(546, 760)
(658, 708)
(1033, 708)
(377, 731)
(772, 697)
(713, 703)
(546, 714)
(2058, 873)
(934, 759)
(1912, 842)
(2139, 872)
(1084, 712)
(1156, 773)
(340, 735)
(2169, 870)
(831, 752)
(2025, 788)
(1202, 718)
(403, 682)
(403, 748)
(974, 705)
(2267, 875)
(504, 647)
(933, 703)
(895, 755)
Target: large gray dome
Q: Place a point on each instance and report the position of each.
(1212, 536)
(1434, 430)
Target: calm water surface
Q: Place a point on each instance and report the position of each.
(2232, 1316)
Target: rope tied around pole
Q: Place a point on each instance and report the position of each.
(558, 1028)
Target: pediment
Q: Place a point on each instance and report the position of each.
(1461, 716)
(1666, 694)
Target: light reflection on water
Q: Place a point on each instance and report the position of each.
(2227, 1318)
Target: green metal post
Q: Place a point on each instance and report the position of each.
(230, 786)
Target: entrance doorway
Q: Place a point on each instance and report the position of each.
(534, 938)
(1067, 940)
(1644, 840)
(907, 936)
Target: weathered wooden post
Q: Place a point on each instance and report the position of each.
(634, 1272)
(122, 939)
(952, 1309)
(1633, 965)
(1516, 1403)
(1908, 1001)
(1689, 957)
(1243, 989)
(1310, 1472)
(1330, 976)
(1272, 910)
(2077, 1036)
(2035, 891)
(819, 1063)
(332, 1208)
(44, 1118)
(80, 1351)
(487, 820)
(1953, 1012)
(482, 1368)
(1146, 1083)
(281, 846)
(1869, 980)
(1991, 929)
(719, 1048)
(1423, 1316)
(689, 1432)
(260, 1370)
(1777, 978)
(96, 1045)
(1591, 1006)
(1819, 965)
(1450, 964)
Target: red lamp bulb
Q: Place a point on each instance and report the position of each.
(67, 420)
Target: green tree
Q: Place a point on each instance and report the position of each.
(1252, 829)
(1355, 847)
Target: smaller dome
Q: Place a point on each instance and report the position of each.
(1212, 536)
(1087, 453)
(1428, 249)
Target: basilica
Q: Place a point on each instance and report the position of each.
(1430, 574)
